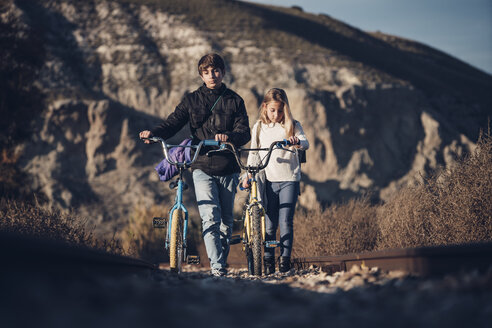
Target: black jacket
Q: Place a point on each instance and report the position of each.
(228, 117)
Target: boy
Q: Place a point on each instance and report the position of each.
(213, 112)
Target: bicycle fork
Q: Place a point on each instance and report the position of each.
(253, 202)
(247, 233)
(178, 205)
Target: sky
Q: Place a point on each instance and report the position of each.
(461, 28)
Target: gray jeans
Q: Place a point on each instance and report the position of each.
(281, 205)
(215, 197)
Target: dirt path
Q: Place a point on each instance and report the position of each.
(310, 298)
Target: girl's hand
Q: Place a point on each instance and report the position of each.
(294, 140)
(245, 183)
(145, 134)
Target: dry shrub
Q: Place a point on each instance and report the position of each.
(451, 208)
(31, 220)
(340, 229)
(140, 239)
(404, 221)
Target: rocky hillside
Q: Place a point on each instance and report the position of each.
(380, 111)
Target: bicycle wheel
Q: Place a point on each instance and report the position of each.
(257, 244)
(176, 245)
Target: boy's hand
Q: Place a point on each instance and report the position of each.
(221, 137)
(245, 183)
(145, 134)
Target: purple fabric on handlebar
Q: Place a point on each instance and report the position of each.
(178, 154)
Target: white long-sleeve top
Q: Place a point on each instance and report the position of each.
(283, 165)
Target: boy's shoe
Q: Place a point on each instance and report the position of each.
(218, 272)
(269, 263)
(284, 264)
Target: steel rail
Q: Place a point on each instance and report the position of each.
(18, 253)
(423, 261)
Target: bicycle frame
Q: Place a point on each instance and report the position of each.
(253, 201)
(178, 204)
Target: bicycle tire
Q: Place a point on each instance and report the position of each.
(257, 244)
(247, 251)
(249, 259)
(176, 244)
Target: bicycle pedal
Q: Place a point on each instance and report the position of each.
(271, 243)
(193, 259)
(159, 223)
(235, 239)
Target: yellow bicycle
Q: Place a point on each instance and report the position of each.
(253, 232)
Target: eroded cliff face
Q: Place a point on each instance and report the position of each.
(113, 69)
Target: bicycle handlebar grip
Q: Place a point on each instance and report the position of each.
(284, 142)
(151, 139)
(211, 143)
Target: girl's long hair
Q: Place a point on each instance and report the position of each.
(279, 95)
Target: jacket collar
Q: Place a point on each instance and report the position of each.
(208, 91)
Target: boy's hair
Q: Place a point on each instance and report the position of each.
(279, 95)
(210, 60)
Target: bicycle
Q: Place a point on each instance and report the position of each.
(254, 229)
(177, 221)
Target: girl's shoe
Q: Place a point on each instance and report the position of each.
(269, 263)
(284, 265)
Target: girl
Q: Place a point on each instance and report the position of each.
(283, 173)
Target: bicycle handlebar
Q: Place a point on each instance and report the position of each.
(186, 164)
(222, 147)
(275, 145)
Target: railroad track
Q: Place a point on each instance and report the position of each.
(423, 261)
(19, 253)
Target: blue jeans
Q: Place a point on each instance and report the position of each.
(215, 197)
(281, 205)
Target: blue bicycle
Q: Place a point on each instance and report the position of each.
(177, 222)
